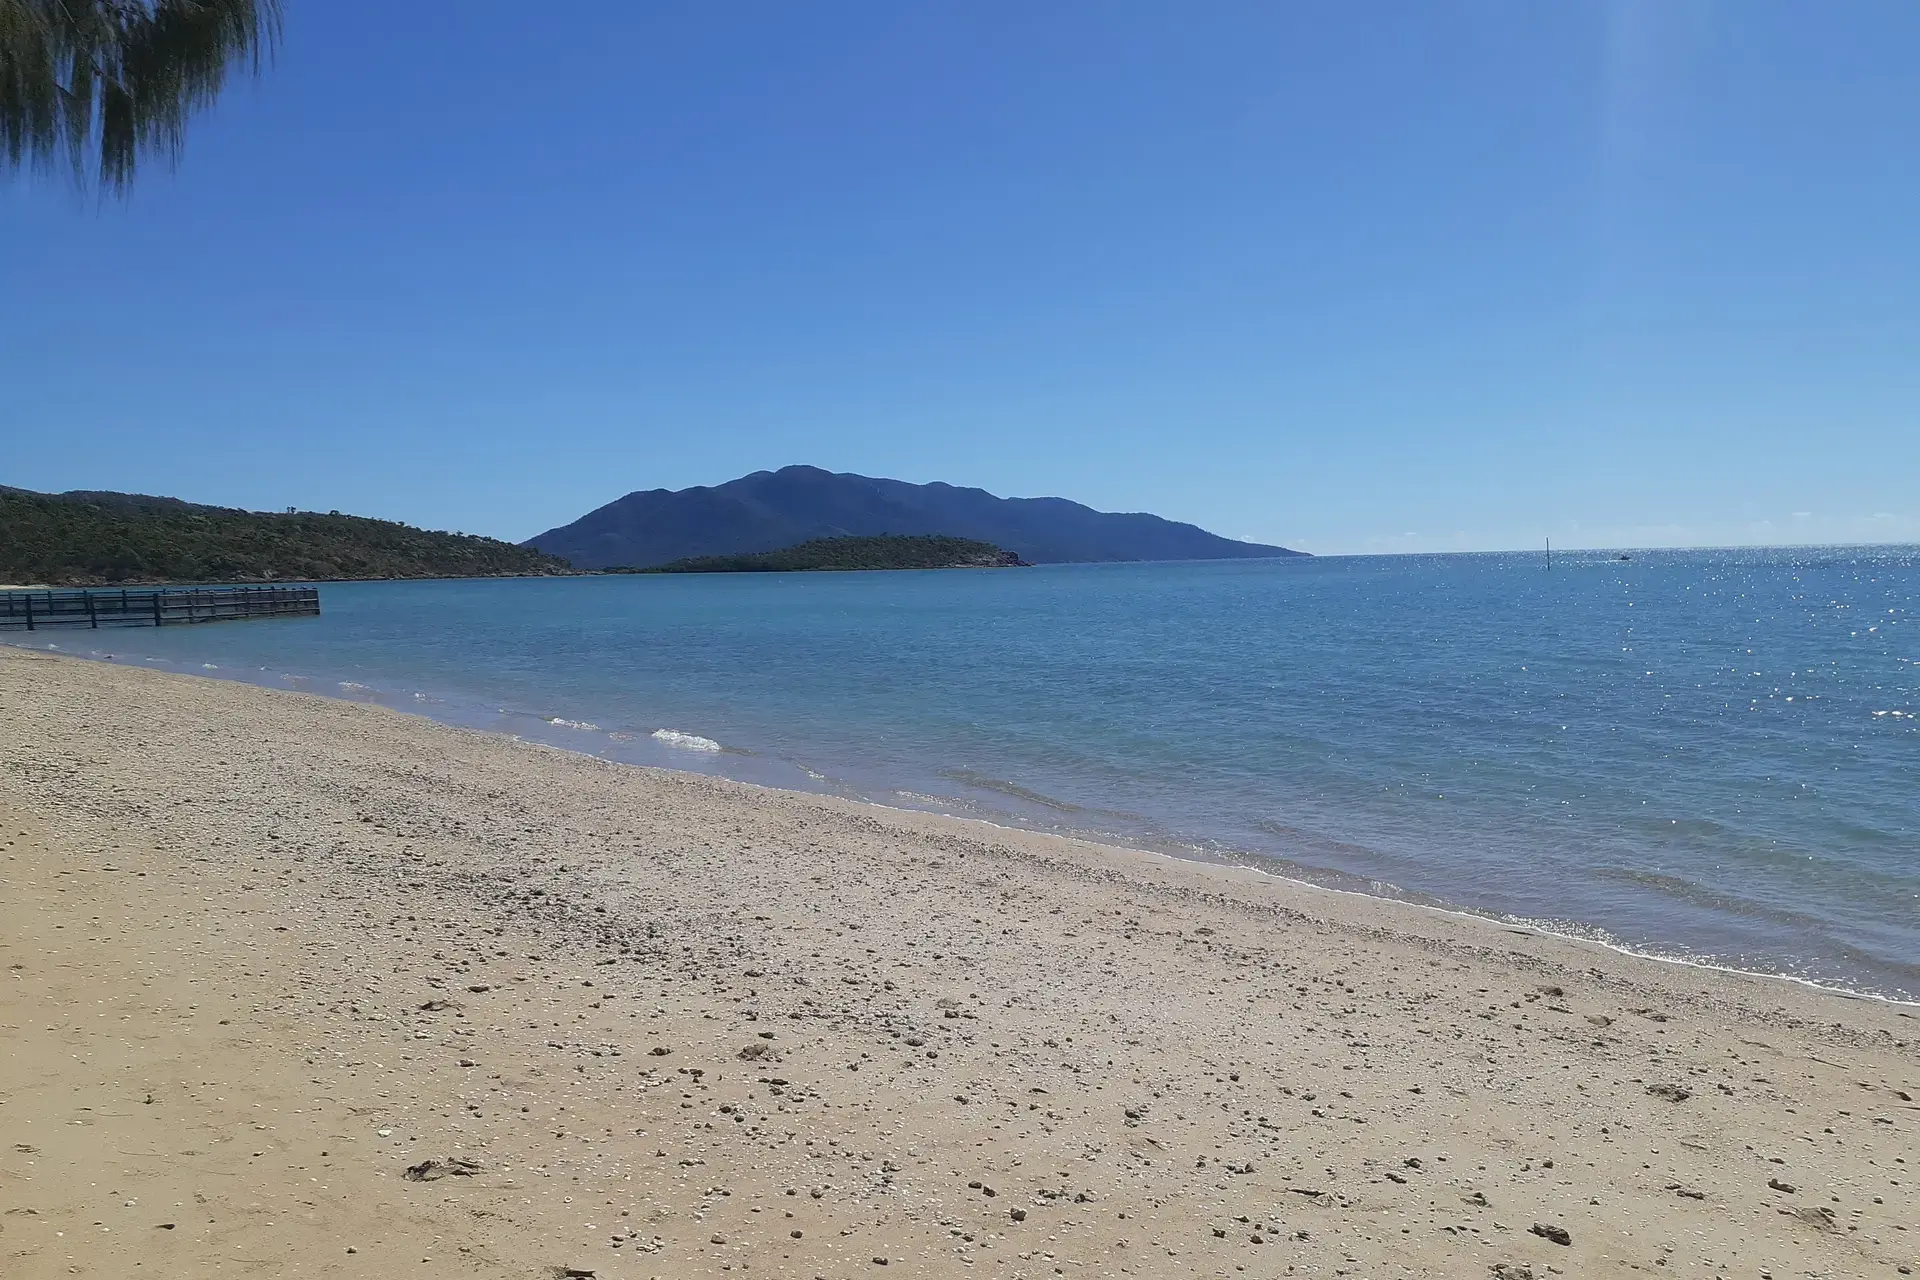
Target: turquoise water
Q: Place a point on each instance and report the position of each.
(1712, 755)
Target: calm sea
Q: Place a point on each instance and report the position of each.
(1711, 755)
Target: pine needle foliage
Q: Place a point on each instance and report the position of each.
(95, 86)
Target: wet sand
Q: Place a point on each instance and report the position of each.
(299, 987)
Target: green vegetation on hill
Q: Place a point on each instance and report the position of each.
(885, 551)
(85, 539)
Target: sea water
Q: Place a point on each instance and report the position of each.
(1709, 755)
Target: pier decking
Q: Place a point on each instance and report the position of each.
(22, 610)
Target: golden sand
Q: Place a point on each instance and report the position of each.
(298, 987)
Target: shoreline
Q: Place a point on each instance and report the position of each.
(276, 969)
(1275, 866)
(1510, 924)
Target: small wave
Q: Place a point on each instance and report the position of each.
(1301, 838)
(621, 737)
(354, 687)
(1705, 828)
(950, 805)
(1682, 889)
(209, 666)
(1014, 789)
(426, 697)
(685, 741)
(581, 725)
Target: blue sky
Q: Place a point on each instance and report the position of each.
(1348, 276)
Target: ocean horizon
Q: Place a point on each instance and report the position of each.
(1707, 756)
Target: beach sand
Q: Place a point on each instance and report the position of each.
(262, 954)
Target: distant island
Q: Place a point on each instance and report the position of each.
(769, 510)
(99, 539)
(885, 551)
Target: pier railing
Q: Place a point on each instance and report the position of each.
(152, 607)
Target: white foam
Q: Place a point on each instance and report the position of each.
(352, 687)
(573, 724)
(685, 741)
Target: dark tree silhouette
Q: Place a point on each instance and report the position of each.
(95, 86)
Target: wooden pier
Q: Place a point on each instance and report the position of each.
(152, 607)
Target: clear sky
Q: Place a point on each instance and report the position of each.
(1348, 276)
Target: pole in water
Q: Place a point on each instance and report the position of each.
(1549, 553)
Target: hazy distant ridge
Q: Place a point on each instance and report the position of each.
(769, 510)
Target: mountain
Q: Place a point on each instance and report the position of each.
(885, 551)
(87, 538)
(769, 510)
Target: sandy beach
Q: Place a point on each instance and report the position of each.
(291, 986)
